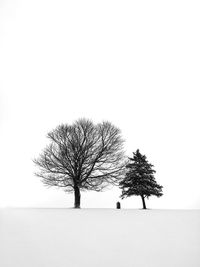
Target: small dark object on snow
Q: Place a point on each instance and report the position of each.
(118, 206)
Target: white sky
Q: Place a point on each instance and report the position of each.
(134, 63)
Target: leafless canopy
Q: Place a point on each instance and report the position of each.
(82, 156)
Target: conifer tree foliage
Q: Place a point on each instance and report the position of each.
(82, 156)
(139, 179)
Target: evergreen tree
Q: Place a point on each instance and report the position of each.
(139, 179)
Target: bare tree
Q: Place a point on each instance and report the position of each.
(82, 156)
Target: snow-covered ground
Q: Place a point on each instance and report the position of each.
(99, 237)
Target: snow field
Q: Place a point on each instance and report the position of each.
(99, 237)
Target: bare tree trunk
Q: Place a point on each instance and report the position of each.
(143, 202)
(77, 197)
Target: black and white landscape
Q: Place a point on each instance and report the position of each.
(99, 133)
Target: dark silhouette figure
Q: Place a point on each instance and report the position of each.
(118, 205)
(139, 179)
(82, 156)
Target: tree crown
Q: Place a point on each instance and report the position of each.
(82, 155)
